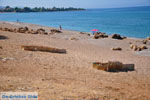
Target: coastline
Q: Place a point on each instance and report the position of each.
(71, 76)
(26, 24)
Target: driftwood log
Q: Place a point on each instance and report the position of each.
(43, 49)
(113, 66)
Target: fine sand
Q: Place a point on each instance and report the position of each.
(71, 76)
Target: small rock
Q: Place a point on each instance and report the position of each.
(5, 29)
(135, 47)
(82, 33)
(131, 46)
(46, 33)
(32, 32)
(1, 47)
(144, 41)
(26, 28)
(22, 30)
(55, 31)
(143, 47)
(10, 30)
(130, 42)
(139, 49)
(118, 48)
(41, 31)
(88, 34)
(73, 38)
(15, 30)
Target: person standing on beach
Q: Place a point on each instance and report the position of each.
(17, 21)
(60, 27)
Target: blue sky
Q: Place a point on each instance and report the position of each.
(76, 3)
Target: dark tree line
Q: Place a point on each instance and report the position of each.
(37, 9)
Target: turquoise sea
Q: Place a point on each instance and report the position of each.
(131, 22)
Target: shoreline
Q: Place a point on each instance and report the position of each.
(14, 22)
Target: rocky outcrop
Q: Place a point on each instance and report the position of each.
(98, 35)
(137, 48)
(118, 36)
(22, 29)
(41, 31)
(145, 41)
(28, 31)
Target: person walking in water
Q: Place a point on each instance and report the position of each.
(60, 27)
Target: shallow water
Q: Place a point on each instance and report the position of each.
(131, 22)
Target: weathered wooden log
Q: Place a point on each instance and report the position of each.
(113, 66)
(43, 49)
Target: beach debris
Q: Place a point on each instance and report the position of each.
(3, 37)
(117, 36)
(43, 49)
(98, 35)
(1, 47)
(137, 48)
(113, 66)
(117, 48)
(55, 31)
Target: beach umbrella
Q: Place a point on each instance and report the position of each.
(95, 30)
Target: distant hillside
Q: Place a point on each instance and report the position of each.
(1, 7)
(37, 9)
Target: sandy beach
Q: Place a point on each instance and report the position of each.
(71, 76)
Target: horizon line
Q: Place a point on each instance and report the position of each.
(118, 7)
(84, 8)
